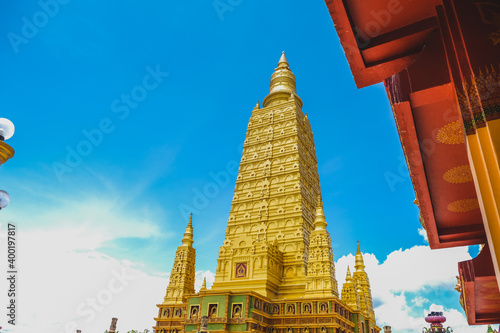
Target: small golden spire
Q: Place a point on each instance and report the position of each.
(188, 235)
(350, 291)
(360, 265)
(257, 106)
(348, 277)
(320, 221)
(204, 285)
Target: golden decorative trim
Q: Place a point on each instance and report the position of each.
(458, 175)
(451, 134)
(464, 205)
(478, 98)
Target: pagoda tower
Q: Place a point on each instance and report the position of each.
(266, 248)
(362, 282)
(275, 269)
(349, 292)
(183, 273)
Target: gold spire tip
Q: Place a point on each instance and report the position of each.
(204, 285)
(283, 59)
(360, 265)
(188, 234)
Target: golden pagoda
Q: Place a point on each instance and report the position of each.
(183, 273)
(275, 271)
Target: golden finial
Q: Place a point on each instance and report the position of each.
(204, 285)
(359, 260)
(320, 221)
(257, 106)
(283, 60)
(282, 84)
(188, 234)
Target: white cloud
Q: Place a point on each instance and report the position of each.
(86, 224)
(61, 289)
(414, 270)
(63, 281)
(423, 233)
(419, 301)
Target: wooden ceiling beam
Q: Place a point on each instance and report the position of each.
(430, 23)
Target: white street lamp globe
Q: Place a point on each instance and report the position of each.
(6, 129)
(4, 199)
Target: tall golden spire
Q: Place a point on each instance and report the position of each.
(267, 248)
(362, 283)
(188, 234)
(282, 85)
(182, 276)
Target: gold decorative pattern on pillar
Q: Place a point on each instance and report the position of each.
(479, 95)
(451, 134)
(464, 205)
(183, 273)
(321, 280)
(349, 292)
(275, 198)
(458, 175)
(360, 278)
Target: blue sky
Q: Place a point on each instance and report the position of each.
(124, 111)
